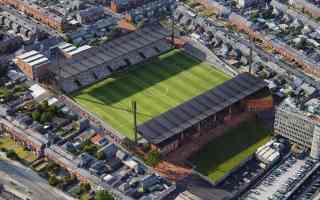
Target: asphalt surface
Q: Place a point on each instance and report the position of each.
(23, 180)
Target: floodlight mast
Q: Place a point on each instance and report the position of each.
(172, 27)
(250, 56)
(134, 112)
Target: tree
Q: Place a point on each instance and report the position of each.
(103, 195)
(69, 179)
(53, 180)
(153, 158)
(4, 92)
(52, 167)
(36, 116)
(100, 155)
(44, 106)
(12, 155)
(91, 149)
(85, 187)
(45, 117)
(19, 88)
(85, 196)
(53, 110)
(84, 143)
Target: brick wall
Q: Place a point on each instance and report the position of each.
(259, 104)
(37, 13)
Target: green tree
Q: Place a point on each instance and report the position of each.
(100, 155)
(103, 195)
(85, 187)
(35, 115)
(53, 180)
(12, 155)
(52, 167)
(85, 197)
(153, 158)
(91, 149)
(4, 92)
(53, 110)
(45, 117)
(44, 106)
(19, 88)
(85, 143)
(69, 179)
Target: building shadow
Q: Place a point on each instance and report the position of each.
(105, 90)
(231, 144)
(129, 110)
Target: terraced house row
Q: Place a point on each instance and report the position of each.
(39, 13)
(242, 23)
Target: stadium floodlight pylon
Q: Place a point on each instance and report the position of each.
(135, 129)
(172, 28)
(250, 56)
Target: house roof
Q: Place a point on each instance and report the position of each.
(95, 139)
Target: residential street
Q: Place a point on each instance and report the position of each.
(17, 177)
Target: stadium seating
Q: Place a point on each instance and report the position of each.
(115, 55)
(86, 78)
(101, 72)
(163, 46)
(117, 64)
(149, 52)
(69, 85)
(135, 58)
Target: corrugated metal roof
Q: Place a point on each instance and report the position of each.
(176, 120)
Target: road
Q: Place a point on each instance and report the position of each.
(17, 177)
(41, 26)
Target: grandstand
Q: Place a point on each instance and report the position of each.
(202, 113)
(98, 63)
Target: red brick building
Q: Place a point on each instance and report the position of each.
(34, 64)
(30, 139)
(38, 13)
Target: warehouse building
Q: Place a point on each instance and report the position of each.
(34, 64)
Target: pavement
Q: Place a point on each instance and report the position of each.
(23, 181)
(266, 192)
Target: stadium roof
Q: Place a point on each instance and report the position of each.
(176, 120)
(112, 50)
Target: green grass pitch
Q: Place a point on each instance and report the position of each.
(226, 152)
(157, 85)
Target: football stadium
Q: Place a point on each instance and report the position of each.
(157, 85)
